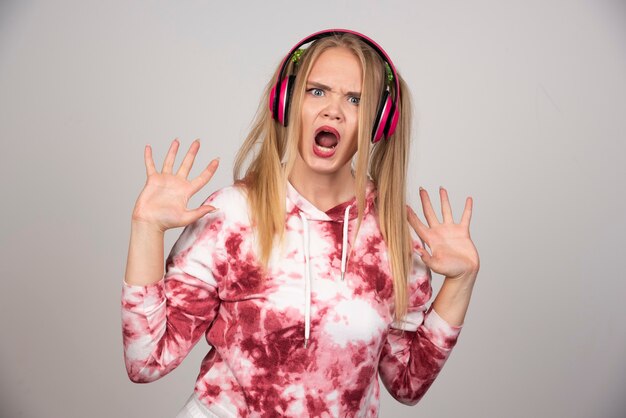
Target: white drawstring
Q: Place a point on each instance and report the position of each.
(307, 267)
(307, 281)
(344, 245)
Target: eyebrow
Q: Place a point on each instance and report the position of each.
(325, 87)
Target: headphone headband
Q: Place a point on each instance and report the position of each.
(387, 114)
(331, 32)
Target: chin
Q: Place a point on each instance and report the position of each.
(329, 166)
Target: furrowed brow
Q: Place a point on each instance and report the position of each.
(325, 87)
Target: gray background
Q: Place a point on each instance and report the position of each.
(519, 104)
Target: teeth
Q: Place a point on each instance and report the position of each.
(325, 148)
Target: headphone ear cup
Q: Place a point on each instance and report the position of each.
(393, 121)
(279, 100)
(382, 117)
(286, 91)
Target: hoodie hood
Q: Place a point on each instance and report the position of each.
(296, 203)
(342, 213)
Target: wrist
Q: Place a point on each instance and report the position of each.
(145, 227)
(467, 275)
(464, 281)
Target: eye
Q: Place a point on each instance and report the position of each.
(316, 92)
(354, 100)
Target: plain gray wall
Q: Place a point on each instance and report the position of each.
(519, 104)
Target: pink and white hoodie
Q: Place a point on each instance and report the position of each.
(308, 339)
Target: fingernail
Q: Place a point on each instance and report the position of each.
(421, 188)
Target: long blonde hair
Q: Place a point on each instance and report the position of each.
(270, 151)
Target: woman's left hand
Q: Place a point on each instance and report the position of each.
(453, 252)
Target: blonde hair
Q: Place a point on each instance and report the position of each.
(270, 144)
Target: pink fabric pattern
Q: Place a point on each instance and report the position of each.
(258, 365)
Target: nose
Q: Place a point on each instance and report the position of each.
(333, 110)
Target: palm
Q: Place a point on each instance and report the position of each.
(163, 201)
(453, 252)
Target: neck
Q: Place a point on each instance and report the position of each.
(324, 191)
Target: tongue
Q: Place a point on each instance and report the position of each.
(326, 139)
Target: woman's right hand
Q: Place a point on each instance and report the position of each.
(163, 201)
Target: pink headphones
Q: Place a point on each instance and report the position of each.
(387, 114)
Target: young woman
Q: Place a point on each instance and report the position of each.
(303, 276)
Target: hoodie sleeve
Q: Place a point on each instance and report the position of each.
(417, 348)
(161, 322)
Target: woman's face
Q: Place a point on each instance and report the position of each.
(330, 112)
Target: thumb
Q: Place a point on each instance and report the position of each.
(197, 213)
(424, 255)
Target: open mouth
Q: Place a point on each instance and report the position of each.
(326, 138)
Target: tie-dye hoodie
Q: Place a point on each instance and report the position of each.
(307, 339)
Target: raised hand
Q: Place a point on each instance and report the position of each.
(453, 252)
(163, 201)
